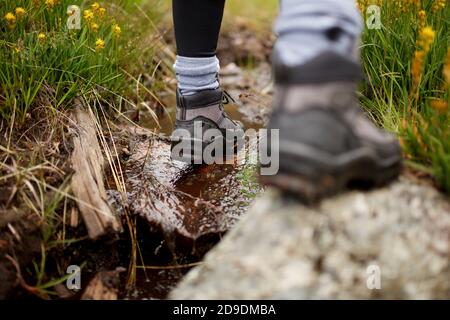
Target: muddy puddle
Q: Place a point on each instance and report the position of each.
(183, 210)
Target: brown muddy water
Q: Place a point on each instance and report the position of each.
(182, 211)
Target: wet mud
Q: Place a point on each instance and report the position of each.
(183, 210)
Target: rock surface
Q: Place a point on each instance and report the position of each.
(283, 250)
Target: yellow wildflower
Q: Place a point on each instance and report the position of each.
(116, 29)
(101, 12)
(88, 15)
(94, 27)
(95, 6)
(99, 44)
(426, 38)
(10, 20)
(20, 12)
(438, 5)
(42, 37)
(417, 66)
(361, 5)
(50, 3)
(439, 105)
(422, 19)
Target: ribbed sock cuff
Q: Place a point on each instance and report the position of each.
(196, 74)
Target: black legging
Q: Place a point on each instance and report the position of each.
(197, 26)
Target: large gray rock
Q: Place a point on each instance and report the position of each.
(283, 250)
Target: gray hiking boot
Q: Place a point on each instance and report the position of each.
(203, 127)
(326, 141)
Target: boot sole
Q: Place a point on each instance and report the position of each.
(193, 157)
(315, 175)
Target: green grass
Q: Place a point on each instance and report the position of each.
(391, 95)
(39, 79)
(247, 177)
(55, 69)
(67, 63)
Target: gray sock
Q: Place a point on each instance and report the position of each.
(196, 74)
(304, 29)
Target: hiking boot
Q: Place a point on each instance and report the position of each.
(203, 126)
(326, 141)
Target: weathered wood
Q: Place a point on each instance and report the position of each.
(104, 286)
(87, 182)
(74, 215)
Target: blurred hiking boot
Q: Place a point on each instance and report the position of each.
(202, 123)
(326, 141)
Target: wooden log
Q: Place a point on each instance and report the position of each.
(74, 214)
(87, 182)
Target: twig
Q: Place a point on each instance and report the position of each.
(183, 266)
